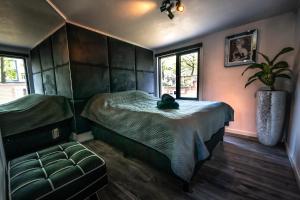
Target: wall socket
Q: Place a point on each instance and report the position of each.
(55, 133)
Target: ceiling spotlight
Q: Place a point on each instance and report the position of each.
(168, 6)
(179, 6)
(164, 5)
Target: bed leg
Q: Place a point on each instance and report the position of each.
(187, 187)
(222, 140)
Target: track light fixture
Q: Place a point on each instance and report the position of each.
(170, 6)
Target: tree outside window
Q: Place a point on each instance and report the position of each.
(188, 72)
(13, 83)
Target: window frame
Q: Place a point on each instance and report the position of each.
(178, 53)
(24, 58)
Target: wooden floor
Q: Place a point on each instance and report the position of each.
(239, 169)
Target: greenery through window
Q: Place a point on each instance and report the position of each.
(179, 75)
(13, 83)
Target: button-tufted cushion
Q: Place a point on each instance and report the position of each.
(59, 172)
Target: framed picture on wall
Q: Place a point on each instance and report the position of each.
(240, 49)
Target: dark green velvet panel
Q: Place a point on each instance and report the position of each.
(49, 82)
(63, 81)
(60, 47)
(122, 80)
(89, 80)
(145, 82)
(35, 60)
(144, 60)
(38, 83)
(46, 54)
(87, 47)
(122, 54)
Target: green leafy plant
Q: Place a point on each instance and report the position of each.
(269, 71)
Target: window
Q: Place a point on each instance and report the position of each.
(168, 75)
(13, 83)
(179, 74)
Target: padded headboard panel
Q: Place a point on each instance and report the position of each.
(122, 63)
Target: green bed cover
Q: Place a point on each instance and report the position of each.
(31, 112)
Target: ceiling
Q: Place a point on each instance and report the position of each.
(141, 22)
(23, 23)
(26, 22)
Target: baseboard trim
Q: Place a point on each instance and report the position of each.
(247, 137)
(83, 137)
(240, 132)
(293, 164)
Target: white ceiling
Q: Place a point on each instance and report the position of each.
(26, 22)
(23, 23)
(141, 22)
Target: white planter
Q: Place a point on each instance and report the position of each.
(270, 115)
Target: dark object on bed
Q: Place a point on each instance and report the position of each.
(167, 98)
(66, 171)
(155, 158)
(167, 102)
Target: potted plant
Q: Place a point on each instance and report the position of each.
(270, 111)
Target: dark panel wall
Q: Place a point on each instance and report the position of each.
(50, 66)
(36, 71)
(61, 63)
(78, 63)
(145, 70)
(48, 75)
(89, 68)
(122, 64)
(89, 62)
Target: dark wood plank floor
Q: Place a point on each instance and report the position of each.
(239, 169)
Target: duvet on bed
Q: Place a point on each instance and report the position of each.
(178, 134)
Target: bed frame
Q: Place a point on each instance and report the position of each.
(33, 140)
(138, 150)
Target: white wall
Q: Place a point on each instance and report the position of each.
(293, 144)
(227, 84)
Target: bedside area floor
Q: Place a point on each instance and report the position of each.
(239, 169)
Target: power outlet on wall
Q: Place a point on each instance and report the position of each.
(55, 133)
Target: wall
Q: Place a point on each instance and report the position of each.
(227, 84)
(294, 132)
(78, 63)
(50, 66)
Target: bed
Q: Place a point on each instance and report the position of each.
(175, 140)
(28, 122)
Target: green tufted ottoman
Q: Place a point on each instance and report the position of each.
(66, 171)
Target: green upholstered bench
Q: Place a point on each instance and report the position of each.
(66, 171)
